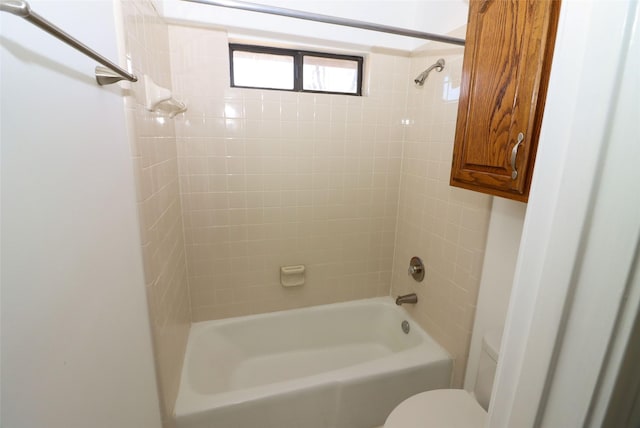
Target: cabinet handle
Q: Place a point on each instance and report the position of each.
(514, 154)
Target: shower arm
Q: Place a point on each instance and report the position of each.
(439, 66)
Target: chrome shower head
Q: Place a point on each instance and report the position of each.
(439, 66)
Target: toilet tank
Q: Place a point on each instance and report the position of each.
(487, 367)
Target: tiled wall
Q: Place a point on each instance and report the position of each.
(272, 178)
(443, 225)
(153, 145)
(249, 180)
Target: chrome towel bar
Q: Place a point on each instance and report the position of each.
(104, 76)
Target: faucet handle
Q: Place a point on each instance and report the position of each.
(416, 269)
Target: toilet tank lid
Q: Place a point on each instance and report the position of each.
(491, 343)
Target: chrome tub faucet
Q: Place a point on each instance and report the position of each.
(407, 298)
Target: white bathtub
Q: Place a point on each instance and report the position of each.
(344, 365)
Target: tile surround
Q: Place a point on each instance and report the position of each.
(272, 178)
(248, 180)
(153, 145)
(443, 225)
(340, 184)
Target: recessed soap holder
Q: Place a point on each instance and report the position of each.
(416, 268)
(292, 276)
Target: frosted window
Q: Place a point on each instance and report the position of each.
(262, 70)
(330, 75)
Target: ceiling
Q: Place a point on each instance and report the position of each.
(432, 16)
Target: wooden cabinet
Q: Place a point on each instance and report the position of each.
(506, 66)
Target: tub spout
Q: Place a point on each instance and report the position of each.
(407, 298)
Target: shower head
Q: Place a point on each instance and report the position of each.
(439, 65)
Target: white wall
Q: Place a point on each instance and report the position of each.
(602, 286)
(501, 253)
(76, 348)
(580, 126)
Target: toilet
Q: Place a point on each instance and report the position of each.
(452, 408)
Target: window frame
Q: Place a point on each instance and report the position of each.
(298, 62)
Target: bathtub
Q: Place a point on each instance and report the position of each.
(344, 365)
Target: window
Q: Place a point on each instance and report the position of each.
(291, 70)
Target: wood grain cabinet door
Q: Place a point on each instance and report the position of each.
(506, 66)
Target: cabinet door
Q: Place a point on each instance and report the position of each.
(505, 72)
